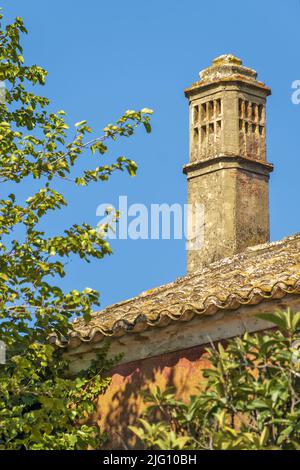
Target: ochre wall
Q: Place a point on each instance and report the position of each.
(122, 403)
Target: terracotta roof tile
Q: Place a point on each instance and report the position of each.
(260, 273)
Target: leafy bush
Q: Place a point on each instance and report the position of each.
(251, 398)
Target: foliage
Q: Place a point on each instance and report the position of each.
(251, 398)
(40, 407)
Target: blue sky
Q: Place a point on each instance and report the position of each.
(106, 57)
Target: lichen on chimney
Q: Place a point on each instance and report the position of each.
(228, 172)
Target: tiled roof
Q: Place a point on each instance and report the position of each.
(260, 273)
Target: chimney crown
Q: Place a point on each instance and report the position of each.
(224, 68)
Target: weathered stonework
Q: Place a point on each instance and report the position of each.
(228, 173)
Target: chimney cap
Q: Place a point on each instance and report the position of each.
(225, 69)
(225, 66)
(227, 59)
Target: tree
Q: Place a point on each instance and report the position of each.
(251, 399)
(40, 406)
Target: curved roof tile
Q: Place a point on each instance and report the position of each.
(260, 273)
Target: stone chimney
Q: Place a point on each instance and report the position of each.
(228, 175)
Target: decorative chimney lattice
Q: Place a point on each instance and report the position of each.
(207, 121)
(252, 129)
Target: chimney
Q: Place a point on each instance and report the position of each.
(228, 175)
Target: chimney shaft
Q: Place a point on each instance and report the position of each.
(227, 173)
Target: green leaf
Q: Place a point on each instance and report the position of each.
(146, 111)
(147, 126)
(80, 123)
